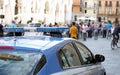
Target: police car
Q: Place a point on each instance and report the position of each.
(45, 55)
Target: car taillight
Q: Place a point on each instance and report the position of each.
(6, 48)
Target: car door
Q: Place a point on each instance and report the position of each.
(88, 60)
(70, 61)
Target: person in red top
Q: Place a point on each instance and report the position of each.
(73, 31)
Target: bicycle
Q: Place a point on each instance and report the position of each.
(114, 41)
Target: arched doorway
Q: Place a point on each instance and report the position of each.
(65, 11)
(46, 11)
(16, 7)
(57, 13)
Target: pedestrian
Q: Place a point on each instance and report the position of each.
(89, 31)
(30, 21)
(78, 27)
(73, 31)
(109, 26)
(81, 28)
(104, 30)
(95, 32)
(12, 24)
(99, 29)
(84, 32)
(116, 31)
(1, 30)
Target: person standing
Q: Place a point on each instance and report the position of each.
(109, 26)
(81, 28)
(104, 30)
(30, 21)
(12, 24)
(78, 27)
(95, 32)
(73, 31)
(84, 32)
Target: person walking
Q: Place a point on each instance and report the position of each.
(116, 31)
(73, 31)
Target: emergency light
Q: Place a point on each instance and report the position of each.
(35, 29)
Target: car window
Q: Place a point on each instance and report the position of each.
(40, 64)
(85, 53)
(68, 56)
(18, 62)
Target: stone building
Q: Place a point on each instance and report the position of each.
(90, 9)
(109, 10)
(48, 11)
(85, 9)
(77, 9)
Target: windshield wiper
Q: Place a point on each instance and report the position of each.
(10, 57)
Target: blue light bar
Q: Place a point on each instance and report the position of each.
(16, 29)
(36, 29)
(52, 29)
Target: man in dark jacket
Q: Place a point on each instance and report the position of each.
(116, 31)
(1, 30)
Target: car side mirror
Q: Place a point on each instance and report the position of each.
(99, 58)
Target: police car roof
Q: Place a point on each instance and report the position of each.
(32, 42)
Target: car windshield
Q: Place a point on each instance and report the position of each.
(18, 62)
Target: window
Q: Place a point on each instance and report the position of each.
(117, 4)
(80, 9)
(99, 3)
(117, 11)
(40, 64)
(94, 11)
(85, 11)
(85, 54)
(23, 60)
(94, 5)
(110, 4)
(85, 4)
(68, 56)
(1, 6)
(106, 11)
(75, 17)
(106, 3)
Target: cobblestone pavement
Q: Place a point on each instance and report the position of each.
(102, 46)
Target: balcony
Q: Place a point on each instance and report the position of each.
(110, 15)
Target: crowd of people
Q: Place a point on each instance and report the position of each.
(86, 30)
(81, 30)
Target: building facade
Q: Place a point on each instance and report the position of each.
(77, 9)
(109, 10)
(90, 9)
(48, 11)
